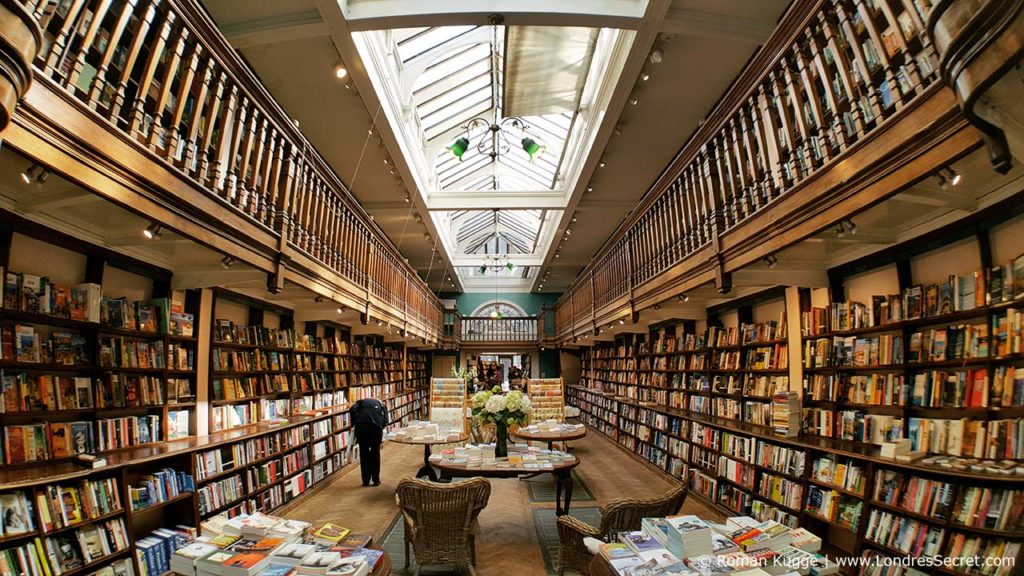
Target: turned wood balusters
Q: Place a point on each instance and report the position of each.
(20, 41)
(161, 73)
(832, 74)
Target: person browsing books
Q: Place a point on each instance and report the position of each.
(369, 418)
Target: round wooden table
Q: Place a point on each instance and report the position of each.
(427, 470)
(383, 566)
(550, 436)
(561, 471)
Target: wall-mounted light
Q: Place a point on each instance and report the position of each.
(340, 71)
(656, 307)
(153, 231)
(644, 76)
(227, 262)
(41, 179)
(341, 309)
(771, 260)
(656, 56)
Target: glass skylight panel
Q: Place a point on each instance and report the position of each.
(473, 72)
(469, 89)
(426, 41)
(450, 63)
(457, 115)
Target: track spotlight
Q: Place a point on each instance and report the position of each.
(850, 226)
(644, 77)
(621, 321)
(340, 72)
(657, 56)
(341, 309)
(600, 164)
(568, 232)
(634, 100)
(319, 299)
(574, 219)
(771, 260)
(380, 322)
(950, 176)
(227, 262)
(407, 199)
(154, 231)
(657, 306)
(41, 179)
(683, 297)
(30, 173)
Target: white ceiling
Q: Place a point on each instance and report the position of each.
(294, 45)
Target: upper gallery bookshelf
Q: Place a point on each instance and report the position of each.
(97, 352)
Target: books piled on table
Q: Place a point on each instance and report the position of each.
(520, 456)
(551, 427)
(421, 431)
(691, 546)
(688, 536)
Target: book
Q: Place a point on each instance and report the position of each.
(613, 550)
(245, 564)
(292, 554)
(15, 514)
(330, 534)
(316, 563)
(351, 566)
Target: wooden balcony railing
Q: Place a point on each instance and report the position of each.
(834, 74)
(160, 74)
(487, 329)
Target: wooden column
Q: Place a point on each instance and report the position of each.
(20, 40)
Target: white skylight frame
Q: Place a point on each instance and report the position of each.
(567, 136)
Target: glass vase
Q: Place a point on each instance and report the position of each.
(500, 439)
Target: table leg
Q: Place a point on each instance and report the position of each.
(563, 481)
(427, 470)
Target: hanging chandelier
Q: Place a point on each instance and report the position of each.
(493, 138)
(497, 263)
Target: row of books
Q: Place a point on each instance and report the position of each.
(67, 552)
(63, 505)
(120, 352)
(847, 475)
(24, 343)
(158, 487)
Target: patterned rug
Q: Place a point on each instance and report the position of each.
(542, 488)
(545, 521)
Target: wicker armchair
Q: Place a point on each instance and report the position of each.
(440, 520)
(620, 515)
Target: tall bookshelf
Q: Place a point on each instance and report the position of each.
(417, 372)
(377, 367)
(98, 353)
(867, 376)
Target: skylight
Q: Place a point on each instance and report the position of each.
(444, 90)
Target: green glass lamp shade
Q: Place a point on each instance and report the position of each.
(459, 147)
(531, 147)
(483, 270)
(511, 266)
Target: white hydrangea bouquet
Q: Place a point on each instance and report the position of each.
(503, 410)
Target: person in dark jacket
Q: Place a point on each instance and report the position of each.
(369, 418)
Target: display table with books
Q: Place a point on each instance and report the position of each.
(427, 434)
(551, 431)
(263, 545)
(479, 460)
(689, 545)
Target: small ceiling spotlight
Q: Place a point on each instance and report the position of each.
(590, 188)
(341, 309)
(154, 231)
(657, 56)
(656, 306)
(30, 173)
(684, 297)
(634, 100)
(600, 164)
(340, 72)
(417, 217)
(644, 76)
(41, 179)
(574, 219)
(408, 199)
(622, 321)
(568, 232)
(319, 299)
(771, 260)
(950, 176)
(380, 322)
(227, 262)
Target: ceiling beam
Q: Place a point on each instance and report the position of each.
(478, 260)
(495, 200)
(389, 14)
(298, 26)
(938, 199)
(59, 199)
(709, 25)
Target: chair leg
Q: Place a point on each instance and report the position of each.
(472, 571)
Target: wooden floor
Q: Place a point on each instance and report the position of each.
(508, 545)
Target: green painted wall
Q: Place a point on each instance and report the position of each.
(529, 301)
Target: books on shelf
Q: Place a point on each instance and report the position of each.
(786, 413)
(159, 487)
(16, 514)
